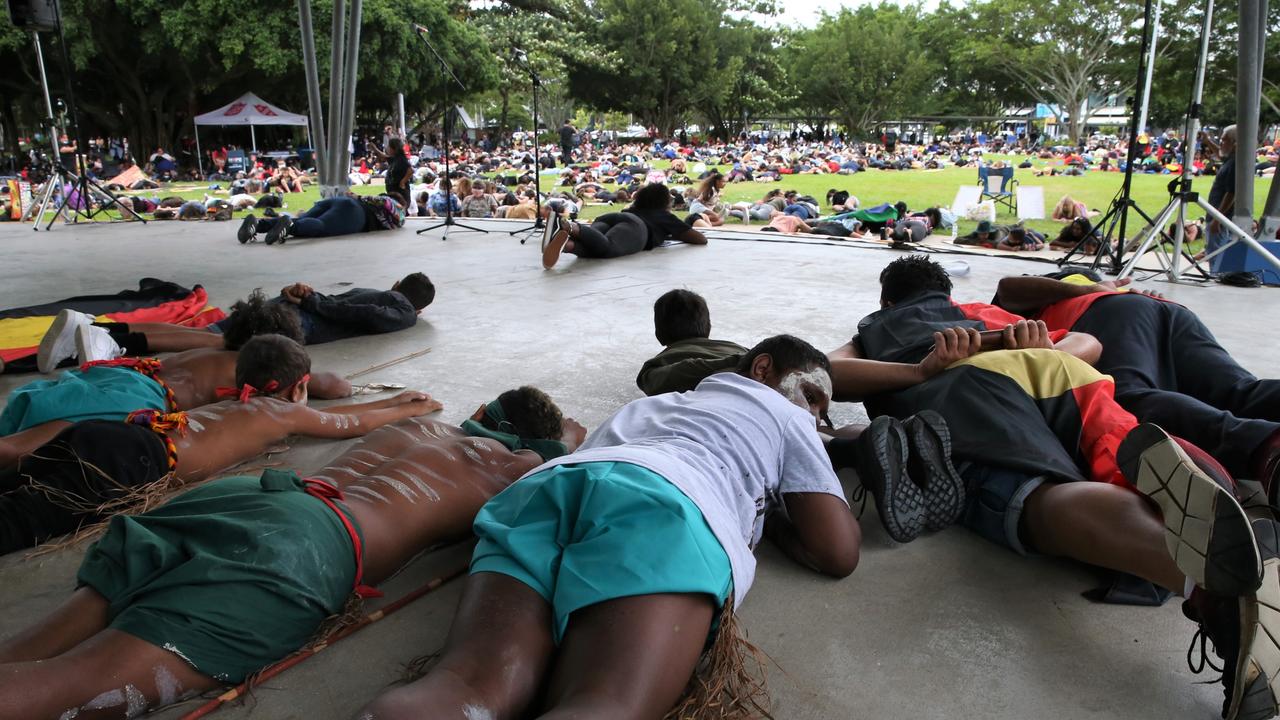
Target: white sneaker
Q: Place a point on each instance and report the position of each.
(59, 343)
(95, 343)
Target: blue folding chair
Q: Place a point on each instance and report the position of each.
(998, 184)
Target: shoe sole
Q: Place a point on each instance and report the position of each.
(551, 253)
(245, 233)
(930, 464)
(50, 340)
(1206, 531)
(82, 344)
(549, 230)
(1257, 687)
(900, 503)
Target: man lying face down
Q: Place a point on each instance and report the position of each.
(97, 468)
(240, 572)
(599, 576)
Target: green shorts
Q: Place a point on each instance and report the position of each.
(99, 393)
(231, 576)
(586, 533)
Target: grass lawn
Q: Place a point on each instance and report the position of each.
(918, 188)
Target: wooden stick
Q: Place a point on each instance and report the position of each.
(388, 364)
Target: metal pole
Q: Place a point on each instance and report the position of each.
(1117, 261)
(1192, 136)
(400, 107)
(1248, 98)
(48, 103)
(319, 148)
(1151, 66)
(352, 66)
(199, 159)
(253, 139)
(335, 96)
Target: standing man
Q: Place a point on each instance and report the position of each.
(567, 131)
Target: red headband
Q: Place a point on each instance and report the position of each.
(247, 391)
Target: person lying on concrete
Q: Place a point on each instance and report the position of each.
(682, 324)
(98, 466)
(78, 337)
(645, 225)
(1167, 366)
(329, 217)
(111, 389)
(238, 573)
(600, 577)
(298, 312)
(1031, 426)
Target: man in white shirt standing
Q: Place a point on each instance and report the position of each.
(599, 576)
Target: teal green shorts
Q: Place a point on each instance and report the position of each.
(583, 534)
(99, 393)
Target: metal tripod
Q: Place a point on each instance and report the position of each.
(538, 223)
(1183, 196)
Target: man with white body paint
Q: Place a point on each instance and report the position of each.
(89, 469)
(599, 576)
(239, 572)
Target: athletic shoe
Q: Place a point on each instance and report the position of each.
(1254, 682)
(95, 343)
(551, 253)
(929, 465)
(1206, 531)
(248, 229)
(1220, 620)
(550, 228)
(882, 468)
(59, 343)
(279, 230)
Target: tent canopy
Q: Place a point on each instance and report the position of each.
(250, 109)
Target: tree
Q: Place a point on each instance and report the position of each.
(1061, 52)
(882, 75)
(744, 81)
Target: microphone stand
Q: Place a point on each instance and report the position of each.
(538, 224)
(447, 74)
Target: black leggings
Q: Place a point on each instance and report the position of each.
(611, 235)
(1169, 370)
(56, 488)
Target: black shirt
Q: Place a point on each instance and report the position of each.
(662, 226)
(359, 311)
(566, 135)
(1224, 182)
(396, 173)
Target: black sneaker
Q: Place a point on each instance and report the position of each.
(882, 468)
(929, 464)
(278, 231)
(1255, 679)
(555, 246)
(1206, 531)
(248, 229)
(550, 229)
(1219, 618)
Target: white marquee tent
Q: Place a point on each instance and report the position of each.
(251, 110)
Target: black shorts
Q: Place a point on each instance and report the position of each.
(62, 485)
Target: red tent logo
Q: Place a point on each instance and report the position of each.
(264, 109)
(235, 109)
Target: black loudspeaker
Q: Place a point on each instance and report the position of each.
(37, 15)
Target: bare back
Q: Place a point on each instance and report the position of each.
(417, 483)
(229, 432)
(196, 375)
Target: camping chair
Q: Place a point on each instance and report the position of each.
(999, 185)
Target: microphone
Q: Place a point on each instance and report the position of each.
(421, 29)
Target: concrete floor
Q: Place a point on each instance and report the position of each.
(946, 627)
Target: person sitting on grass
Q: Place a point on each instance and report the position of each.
(643, 538)
(479, 204)
(646, 224)
(705, 207)
(240, 572)
(329, 217)
(65, 483)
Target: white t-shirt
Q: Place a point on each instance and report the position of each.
(732, 445)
